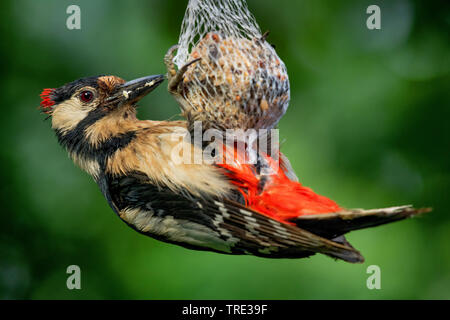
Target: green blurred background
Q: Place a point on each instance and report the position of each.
(368, 125)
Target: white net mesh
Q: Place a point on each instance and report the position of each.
(240, 82)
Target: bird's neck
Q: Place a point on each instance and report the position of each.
(97, 137)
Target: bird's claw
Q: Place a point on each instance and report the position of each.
(168, 61)
(174, 76)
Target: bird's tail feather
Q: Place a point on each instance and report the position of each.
(331, 225)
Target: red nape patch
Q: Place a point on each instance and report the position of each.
(46, 100)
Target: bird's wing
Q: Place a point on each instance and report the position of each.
(338, 223)
(216, 225)
(274, 238)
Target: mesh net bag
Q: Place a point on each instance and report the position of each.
(239, 82)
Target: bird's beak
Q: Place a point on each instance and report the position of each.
(132, 91)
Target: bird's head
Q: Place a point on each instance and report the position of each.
(88, 100)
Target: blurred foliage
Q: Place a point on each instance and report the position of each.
(368, 125)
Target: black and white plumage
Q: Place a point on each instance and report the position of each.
(192, 205)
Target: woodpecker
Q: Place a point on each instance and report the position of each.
(224, 208)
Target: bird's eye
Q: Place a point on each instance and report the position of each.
(86, 96)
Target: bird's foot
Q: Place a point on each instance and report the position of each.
(174, 76)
